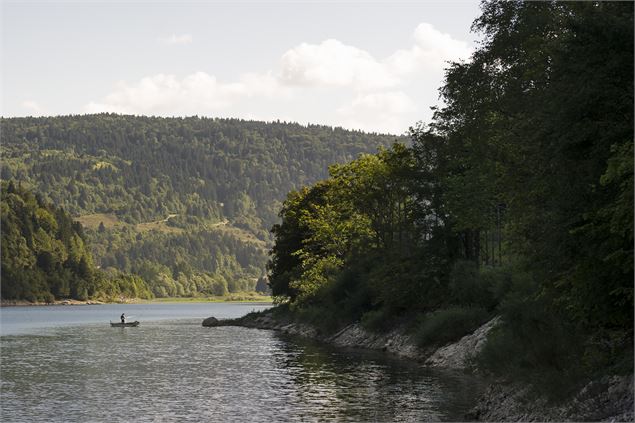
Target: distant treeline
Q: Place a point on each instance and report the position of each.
(220, 182)
(516, 200)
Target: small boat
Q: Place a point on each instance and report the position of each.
(124, 325)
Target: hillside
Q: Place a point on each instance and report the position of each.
(185, 202)
(45, 255)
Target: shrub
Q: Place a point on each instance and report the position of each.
(324, 318)
(403, 285)
(469, 288)
(534, 344)
(450, 324)
(377, 320)
(281, 311)
(499, 281)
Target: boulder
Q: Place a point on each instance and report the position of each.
(211, 322)
(458, 354)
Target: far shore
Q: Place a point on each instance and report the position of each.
(235, 298)
(219, 299)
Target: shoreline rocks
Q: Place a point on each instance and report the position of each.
(607, 399)
(394, 342)
(458, 355)
(397, 341)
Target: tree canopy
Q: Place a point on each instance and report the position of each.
(45, 255)
(516, 198)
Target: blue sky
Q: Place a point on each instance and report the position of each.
(374, 66)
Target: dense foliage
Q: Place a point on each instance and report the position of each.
(517, 199)
(45, 255)
(184, 202)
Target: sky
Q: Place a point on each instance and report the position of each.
(369, 65)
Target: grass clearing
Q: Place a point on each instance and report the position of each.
(159, 225)
(92, 221)
(103, 165)
(238, 233)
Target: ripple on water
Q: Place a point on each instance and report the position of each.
(183, 372)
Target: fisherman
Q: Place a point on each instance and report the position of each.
(123, 318)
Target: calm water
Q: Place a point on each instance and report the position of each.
(67, 364)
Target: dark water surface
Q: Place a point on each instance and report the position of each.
(71, 369)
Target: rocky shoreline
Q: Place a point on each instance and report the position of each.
(607, 399)
(455, 356)
(394, 342)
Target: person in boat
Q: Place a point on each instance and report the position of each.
(123, 318)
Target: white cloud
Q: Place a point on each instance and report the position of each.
(333, 63)
(33, 107)
(174, 39)
(441, 44)
(431, 52)
(327, 82)
(389, 112)
(390, 102)
(198, 93)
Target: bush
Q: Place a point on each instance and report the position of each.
(450, 324)
(471, 288)
(377, 320)
(324, 318)
(349, 294)
(403, 285)
(499, 281)
(535, 344)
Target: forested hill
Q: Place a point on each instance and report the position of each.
(175, 199)
(45, 254)
(192, 166)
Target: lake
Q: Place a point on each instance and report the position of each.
(66, 364)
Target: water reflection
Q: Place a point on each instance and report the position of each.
(360, 385)
(179, 371)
